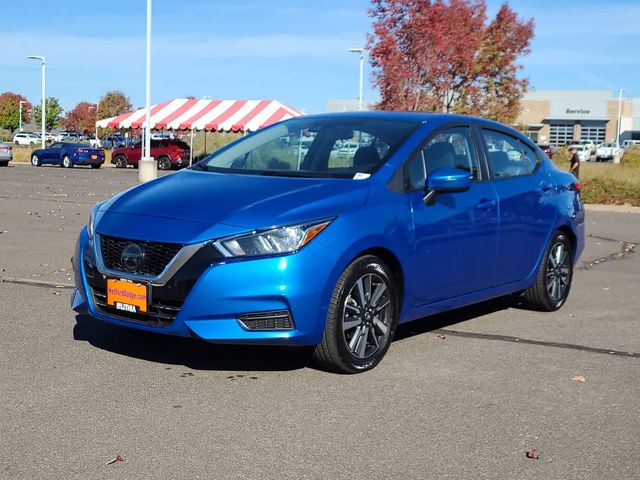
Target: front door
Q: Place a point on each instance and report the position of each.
(455, 243)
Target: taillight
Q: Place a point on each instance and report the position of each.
(577, 186)
(82, 150)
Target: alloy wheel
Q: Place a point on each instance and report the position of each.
(558, 272)
(366, 316)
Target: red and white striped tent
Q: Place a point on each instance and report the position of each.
(206, 114)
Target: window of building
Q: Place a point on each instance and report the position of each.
(561, 134)
(593, 131)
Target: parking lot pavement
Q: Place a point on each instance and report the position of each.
(460, 395)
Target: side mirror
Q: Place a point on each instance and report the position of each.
(445, 180)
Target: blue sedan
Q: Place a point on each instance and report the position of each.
(68, 155)
(285, 245)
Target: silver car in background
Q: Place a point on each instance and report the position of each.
(6, 154)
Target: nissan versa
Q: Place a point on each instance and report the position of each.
(293, 236)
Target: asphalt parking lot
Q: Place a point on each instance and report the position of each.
(461, 395)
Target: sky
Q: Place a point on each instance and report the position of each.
(294, 51)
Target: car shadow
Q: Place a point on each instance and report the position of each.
(452, 317)
(200, 355)
(190, 352)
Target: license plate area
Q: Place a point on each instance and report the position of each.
(128, 296)
(94, 156)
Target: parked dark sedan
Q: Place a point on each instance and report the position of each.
(68, 155)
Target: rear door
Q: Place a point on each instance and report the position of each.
(526, 211)
(455, 241)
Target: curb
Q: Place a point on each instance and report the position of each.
(596, 207)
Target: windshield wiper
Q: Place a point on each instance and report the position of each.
(291, 173)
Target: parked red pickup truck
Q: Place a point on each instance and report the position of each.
(168, 153)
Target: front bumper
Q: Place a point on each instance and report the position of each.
(300, 284)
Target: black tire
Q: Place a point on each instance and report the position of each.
(541, 295)
(4, 164)
(120, 161)
(96, 166)
(35, 161)
(66, 162)
(338, 350)
(164, 163)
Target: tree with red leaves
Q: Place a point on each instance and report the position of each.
(446, 56)
(10, 110)
(82, 118)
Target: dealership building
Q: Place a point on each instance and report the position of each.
(559, 117)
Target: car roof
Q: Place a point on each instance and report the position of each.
(417, 117)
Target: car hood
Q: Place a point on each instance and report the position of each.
(191, 206)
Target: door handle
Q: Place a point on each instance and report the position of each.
(545, 187)
(486, 204)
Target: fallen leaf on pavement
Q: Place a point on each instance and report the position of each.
(117, 458)
(442, 337)
(56, 292)
(579, 378)
(533, 453)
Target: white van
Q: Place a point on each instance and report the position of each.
(627, 143)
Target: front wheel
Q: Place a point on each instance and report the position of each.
(555, 273)
(66, 162)
(362, 317)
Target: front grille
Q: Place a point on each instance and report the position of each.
(278, 320)
(156, 255)
(160, 313)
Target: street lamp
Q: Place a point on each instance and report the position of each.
(95, 107)
(147, 167)
(43, 111)
(20, 117)
(361, 51)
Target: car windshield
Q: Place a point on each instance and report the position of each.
(313, 147)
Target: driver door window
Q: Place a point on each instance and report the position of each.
(452, 148)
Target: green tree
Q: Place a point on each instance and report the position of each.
(10, 110)
(53, 114)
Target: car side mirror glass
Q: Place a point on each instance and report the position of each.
(445, 180)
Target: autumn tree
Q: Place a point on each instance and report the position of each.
(52, 115)
(446, 55)
(10, 110)
(82, 118)
(113, 103)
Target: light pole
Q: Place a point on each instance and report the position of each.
(147, 167)
(43, 111)
(616, 157)
(95, 107)
(361, 51)
(20, 117)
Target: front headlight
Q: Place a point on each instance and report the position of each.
(287, 239)
(91, 225)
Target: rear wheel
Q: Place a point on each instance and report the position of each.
(4, 164)
(35, 161)
(120, 161)
(362, 318)
(66, 162)
(553, 281)
(164, 163)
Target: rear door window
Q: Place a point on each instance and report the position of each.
(508, 157)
